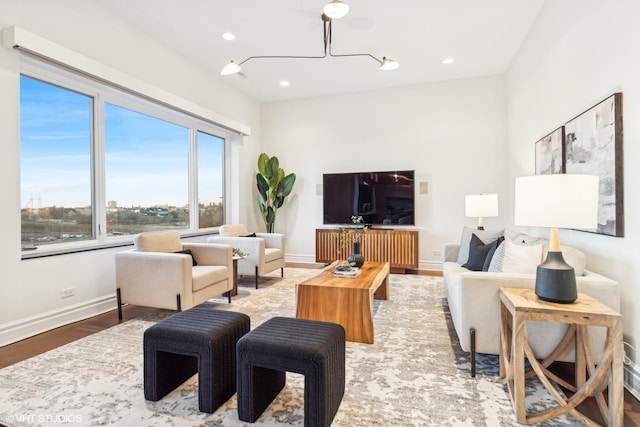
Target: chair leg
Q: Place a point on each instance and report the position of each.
(281, 271)
(119, 301)
(256, 277)
(472, 331)
(229, 296)
(178, 303)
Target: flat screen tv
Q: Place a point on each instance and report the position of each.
(381, 198)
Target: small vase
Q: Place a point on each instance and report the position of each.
(355, 257)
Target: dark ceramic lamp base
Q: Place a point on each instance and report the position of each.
(556, 280)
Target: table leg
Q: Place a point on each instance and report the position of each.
(234, 289)
(519, 338)
(616, 380)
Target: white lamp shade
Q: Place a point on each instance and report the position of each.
(388, 64)
(559, 200)
(336, 9)
(230, 68)
(481, 205)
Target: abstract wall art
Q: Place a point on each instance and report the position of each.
(550, 153)
(593, 146)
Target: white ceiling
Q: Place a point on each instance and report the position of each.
(482, 36)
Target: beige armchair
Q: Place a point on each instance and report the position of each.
(265, 250)
(152, 274)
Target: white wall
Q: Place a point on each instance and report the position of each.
(578, 53)
(30, 289)
(452, 134)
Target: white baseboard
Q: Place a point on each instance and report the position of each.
(632, 379)
(30, 326)
(430, 265)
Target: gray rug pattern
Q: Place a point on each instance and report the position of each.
(414, 374)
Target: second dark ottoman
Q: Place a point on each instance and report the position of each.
(312, 348)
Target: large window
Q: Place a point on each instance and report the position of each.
(210, 185)
(98, 164)
(55, 164)
(146, 172)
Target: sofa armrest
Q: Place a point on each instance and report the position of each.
(161, 275)
(450, 252)
(273, 240)
(252, 246)
(211, 254)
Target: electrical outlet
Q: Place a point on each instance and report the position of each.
(436, 253)
(67, 292)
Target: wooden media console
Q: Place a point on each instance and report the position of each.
(397, 247)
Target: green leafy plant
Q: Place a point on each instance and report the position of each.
(273, 187)
(238, 252)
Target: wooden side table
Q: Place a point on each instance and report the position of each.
(234, 289)
(517, 306)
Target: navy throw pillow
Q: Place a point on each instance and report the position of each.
(478, 253)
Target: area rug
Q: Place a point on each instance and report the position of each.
(414, 374)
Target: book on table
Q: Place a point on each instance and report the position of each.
(346, 271)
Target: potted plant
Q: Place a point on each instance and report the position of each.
(348, 236)
(273, 187)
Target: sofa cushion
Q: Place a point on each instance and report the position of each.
(228, 230)
(207, 275)
(484, 235)
(478, 252)
(521, 258)
(272, 254)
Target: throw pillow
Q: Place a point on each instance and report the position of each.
(495, 265)
(484, 235)
(521, 258)
(491, 253)
(188, 252)
(478, 253)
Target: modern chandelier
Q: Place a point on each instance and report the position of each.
(333, 10)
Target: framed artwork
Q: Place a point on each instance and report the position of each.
(593, 146)
(550, 153)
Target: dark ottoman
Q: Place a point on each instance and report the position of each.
(201, 340)
(312, 348)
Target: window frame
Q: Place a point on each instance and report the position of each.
(101, 93)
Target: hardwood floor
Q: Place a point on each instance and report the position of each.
(38, 344)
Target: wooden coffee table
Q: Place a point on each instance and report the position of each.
(346, 301)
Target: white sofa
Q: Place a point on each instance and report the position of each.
(473, 298)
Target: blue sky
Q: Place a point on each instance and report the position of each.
(146, 159)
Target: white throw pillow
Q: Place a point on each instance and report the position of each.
(521, 258)
(484, 235)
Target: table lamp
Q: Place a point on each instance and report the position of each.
(556, 201)
(481, 206)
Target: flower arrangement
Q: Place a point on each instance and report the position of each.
(347, 235)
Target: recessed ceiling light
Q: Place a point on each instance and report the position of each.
(284, 83)
(229, 36)
(447, 60)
